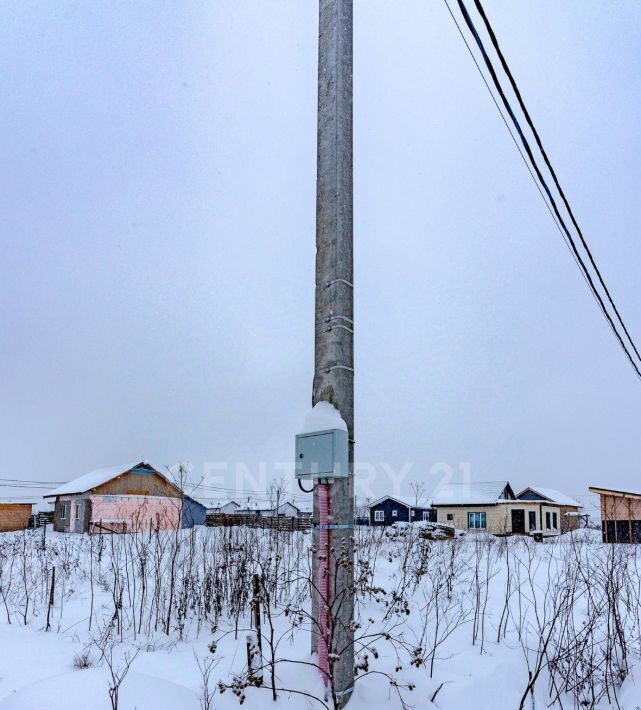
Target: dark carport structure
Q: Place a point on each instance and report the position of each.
(620, 514)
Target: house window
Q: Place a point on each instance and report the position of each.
(413, 513)
(379, 516)
(63, 510)
(395, 513)
(532, 519)
(477, 521)
(77, 512)
(555, 521)
(450, 516)
(426, 515)
(548, 525)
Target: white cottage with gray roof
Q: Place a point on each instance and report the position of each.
(492, 506)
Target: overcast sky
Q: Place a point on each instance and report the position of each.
(157, 220)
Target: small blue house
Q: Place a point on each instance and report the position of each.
(399, 509)
(193, 513)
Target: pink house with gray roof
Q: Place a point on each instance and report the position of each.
(129, 498)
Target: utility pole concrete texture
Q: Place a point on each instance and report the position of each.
(334, 331)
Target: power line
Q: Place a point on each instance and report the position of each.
(526, 145)
(530, 123)
(516, 145)
(204, 488)
(22, 480)
(20, 485)
(257, 494)
(501, 114)
(528, 150)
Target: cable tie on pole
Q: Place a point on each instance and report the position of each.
(332, 317)
(339, 281)
(338, 325)
(335, 367)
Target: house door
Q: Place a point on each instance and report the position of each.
(518, 521)
(77, 519)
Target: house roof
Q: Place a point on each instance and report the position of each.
(256, 505)
(212, 503)
(300, 506)
(408, 501)
(285, 503)
(304, 506)
(481, 493)
(614, 491)
(552, 496)
(96, 478)
(16, 501)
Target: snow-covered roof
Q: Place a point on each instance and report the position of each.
(286, 503)
(614, 491)
(321, 417)
(212, 503)
(256, 505)
(15, 501)
(552, 495)
(96, 478)
(409, 501)
(481, 493)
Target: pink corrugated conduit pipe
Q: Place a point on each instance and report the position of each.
(323, 580)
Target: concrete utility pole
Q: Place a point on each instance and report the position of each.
(334, 353)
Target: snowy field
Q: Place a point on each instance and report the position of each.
(159, 621)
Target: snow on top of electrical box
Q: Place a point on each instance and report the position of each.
(323, 416)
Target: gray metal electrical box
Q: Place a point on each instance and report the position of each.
(322, 454)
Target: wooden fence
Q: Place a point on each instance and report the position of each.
(40, 519)
(267, 522)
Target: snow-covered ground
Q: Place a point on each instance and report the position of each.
(444, 624)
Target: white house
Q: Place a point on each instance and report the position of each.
(290, 509)
(217, 505)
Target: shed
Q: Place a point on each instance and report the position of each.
(14, 515)
(193, 512)
(620, 514)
